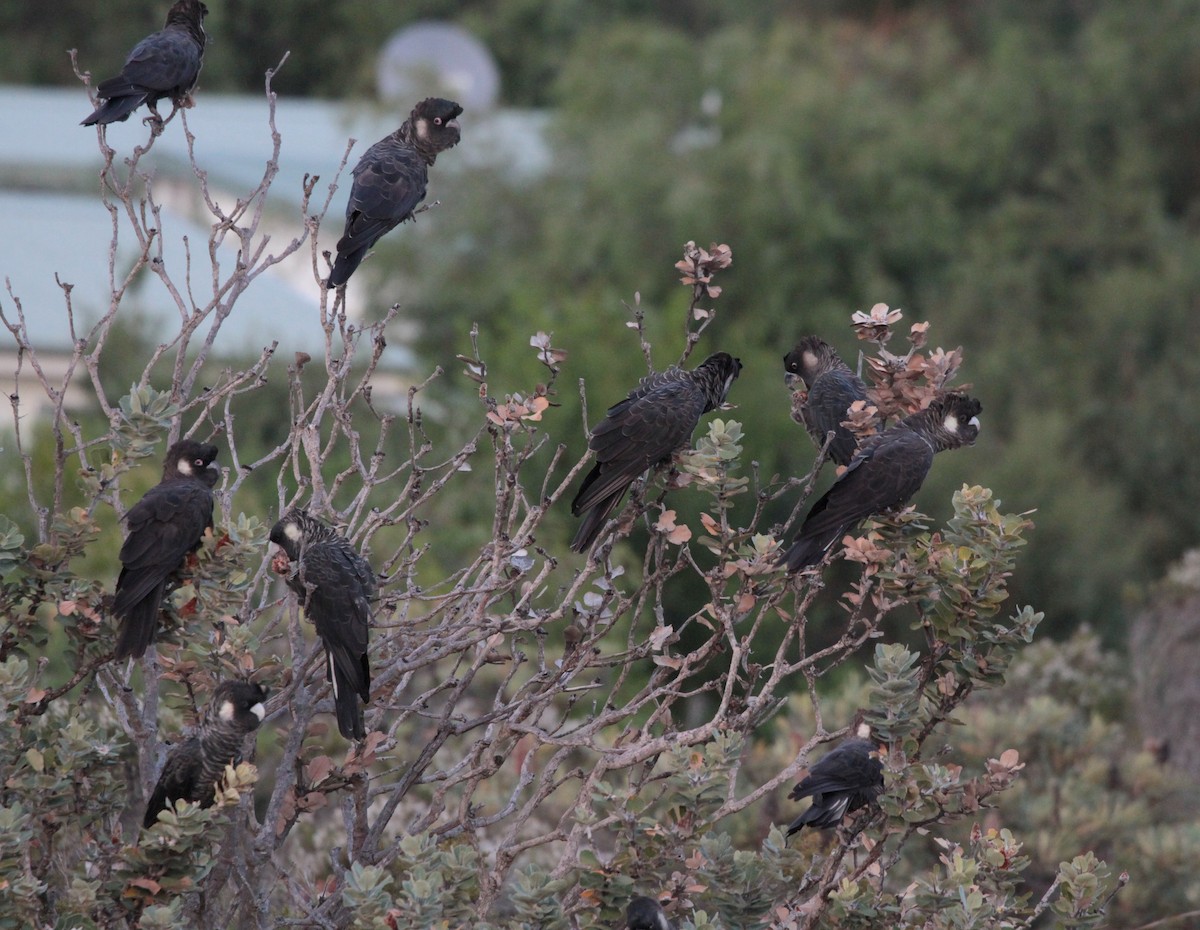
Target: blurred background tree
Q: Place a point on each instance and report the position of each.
(1019, 186)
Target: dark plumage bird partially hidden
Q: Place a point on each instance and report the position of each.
(884, 474)
(390, 181)
(645, 913)
(335, 586)
(165, 64)
(195, 766)
(847, 779)
(164, 526)
(654, 422)
(832, 387)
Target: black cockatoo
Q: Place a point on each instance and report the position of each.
(390, 181)
(165, 64)
(164, 526)
(335, 586)
(848, 778)
(195, 766)
(884, 474)
(831, 387)
(654, 422)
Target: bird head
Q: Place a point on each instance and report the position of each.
(723, 370)
(645, 913)
(187, 13)
(240, 703)
(959, 416)
(190, 459)
(291, 531)
(811, 357)
(298, 528)
(435, 123)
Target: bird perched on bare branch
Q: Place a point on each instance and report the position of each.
(884, 474)
(195, 766)
(645, 913)
(165, 64)
(654, 422)
(164, 526)
(335, 586)
(832, 387)
(390, 181)
(848, 778)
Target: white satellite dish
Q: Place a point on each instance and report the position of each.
(438, 59)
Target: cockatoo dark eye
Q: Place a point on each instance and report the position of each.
(437, 121)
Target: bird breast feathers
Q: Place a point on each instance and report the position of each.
(182, 509)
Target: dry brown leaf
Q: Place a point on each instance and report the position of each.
(679, 535)
(318, 769)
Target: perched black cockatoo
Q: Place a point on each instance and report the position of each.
(195, 766)
(654, 422)
(335, 586)
(164, 526)
(165, 64)
(884, 474)
(645, 913)
(832, 387)
(845, 780)
(390, 181)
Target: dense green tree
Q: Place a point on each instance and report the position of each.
(1028, 191)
